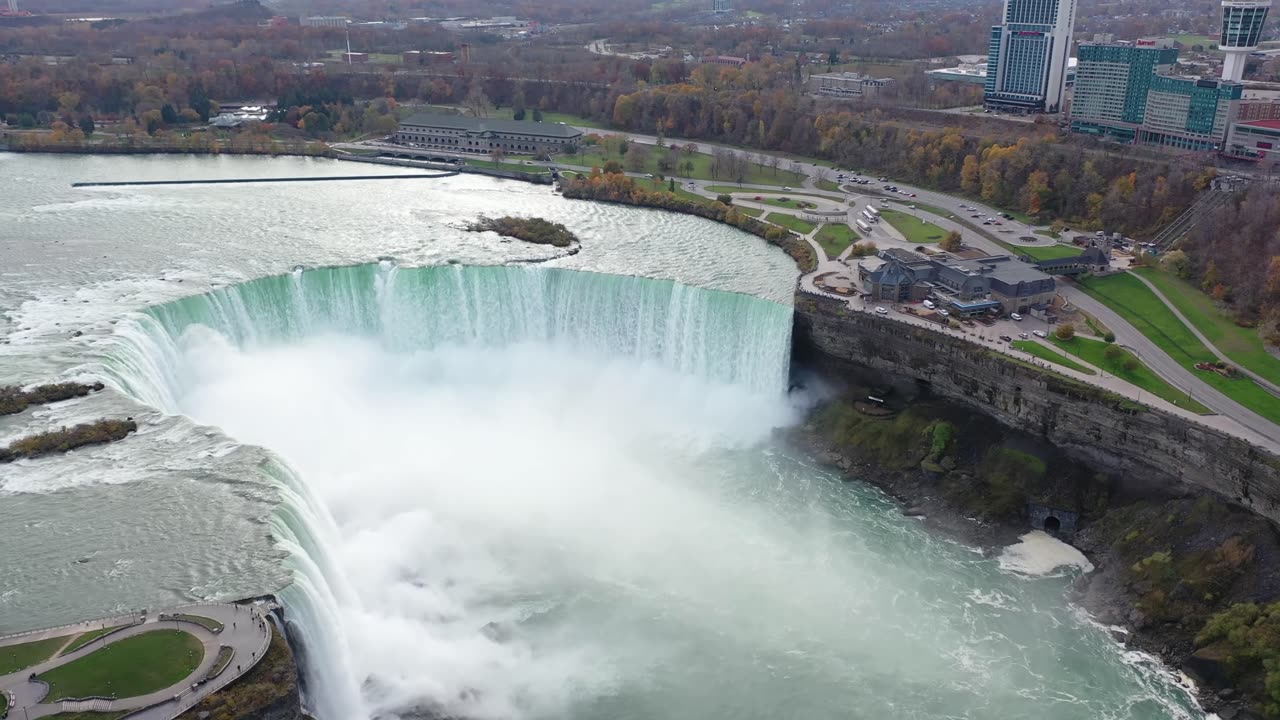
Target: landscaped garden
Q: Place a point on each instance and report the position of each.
(20, 657)
(1126, 366)
(915, 230)
(134, 666)
(1047, 353)
(835, 237)
(791, 222)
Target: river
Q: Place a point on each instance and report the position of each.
(484, 487)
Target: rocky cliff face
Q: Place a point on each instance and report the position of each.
(1148, 449)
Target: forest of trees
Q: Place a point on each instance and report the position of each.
(1234, 255)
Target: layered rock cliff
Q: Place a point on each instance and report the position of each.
(1138, 444)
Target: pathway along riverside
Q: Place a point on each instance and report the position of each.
(246, 630)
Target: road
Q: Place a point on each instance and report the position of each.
(246, 630)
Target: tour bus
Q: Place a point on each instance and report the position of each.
(869, 216)
(874, 212)
(863, 226)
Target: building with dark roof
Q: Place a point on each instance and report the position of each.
(1093, 260)
(999, 282)
(481, 136)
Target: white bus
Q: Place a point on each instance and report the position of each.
(863, 226)
(869, 216)
(874, 212)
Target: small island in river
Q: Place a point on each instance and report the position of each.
(534, 230)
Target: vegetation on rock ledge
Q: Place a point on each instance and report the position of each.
(67, 439)
(534, 230)
(14, 400)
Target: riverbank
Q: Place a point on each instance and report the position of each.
(1172, 561)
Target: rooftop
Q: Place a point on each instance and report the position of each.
(478, 125)
(1268, 124)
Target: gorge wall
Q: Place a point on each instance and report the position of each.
(1140, 445)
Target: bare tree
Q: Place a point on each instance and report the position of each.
(774, 162)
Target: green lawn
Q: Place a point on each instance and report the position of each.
(1242, 345)
(1134, 301)
(730, 189)
(19, 657)
(133, 666)
(1094, 353)
(788, 203)
(835, 237)
(1047, 233)
(828, 185)
(753, 212)
(1051, 252)
(791, 222)
(594, 156)
(566, 118)
(916, 231)
(4, 703)
(1188, 40)
(1047, 353)
(87, 638)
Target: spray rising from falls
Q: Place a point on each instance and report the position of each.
(608, 347)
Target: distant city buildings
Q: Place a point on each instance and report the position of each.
(1112, 81)
(323, 21)
(720, 6)
(1027, 56)
(846, 84)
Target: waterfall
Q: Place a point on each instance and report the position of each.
(715, 336)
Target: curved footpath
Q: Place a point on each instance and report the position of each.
(245, 629)
(1262, 382)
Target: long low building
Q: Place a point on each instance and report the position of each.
(967, 286)
(481, 136)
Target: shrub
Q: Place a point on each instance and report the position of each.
(1113, 352)
(67, 439)
(724, 198)
(15, 400)
(1109, 337)
(534, 230)
(1065, 332)
(1131, 363)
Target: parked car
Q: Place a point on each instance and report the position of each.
(944, 312)
(1016, 316)
(929, 304)
(1006, 338)
(1039, 333)
(881, 311)
(786, 188)
(1024, 336)
(911, 194)
(975, 216)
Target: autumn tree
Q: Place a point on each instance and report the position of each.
(951, 242)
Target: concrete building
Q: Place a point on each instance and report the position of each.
(1242, 22)
(458, 133)
(1027, 56)
(1189, 113)
(720, 6)
(1112, 82)
(323, 21)
(846, 84)
(975, 72)
(1253, 139)
(966, 287)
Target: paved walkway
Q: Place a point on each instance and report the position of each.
(1264, 383)
(246, 630)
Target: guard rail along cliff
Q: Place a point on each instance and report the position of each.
(1110, 432)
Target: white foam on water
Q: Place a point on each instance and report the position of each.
(1040, 554)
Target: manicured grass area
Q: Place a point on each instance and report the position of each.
(835, 237)
(566, 118)
(133, 666)
(828, 185)
(87, 638)
(1242, 345)
(1047, 353)
(1094, 352)
(4, 703)
(594, 156)
(791, 222)
(753, 212)
(789, 203)
(1134, 301)
(1190, 40)
(209, 624)
(764, 193)
(1051, 252)
(915, 230)
(20, 657)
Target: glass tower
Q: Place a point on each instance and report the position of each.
(1242, 22)
(1027, 56)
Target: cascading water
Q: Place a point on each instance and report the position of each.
(715, 337)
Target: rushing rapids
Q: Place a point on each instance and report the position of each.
(490, 492)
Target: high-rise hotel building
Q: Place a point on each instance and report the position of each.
(1028, 54)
